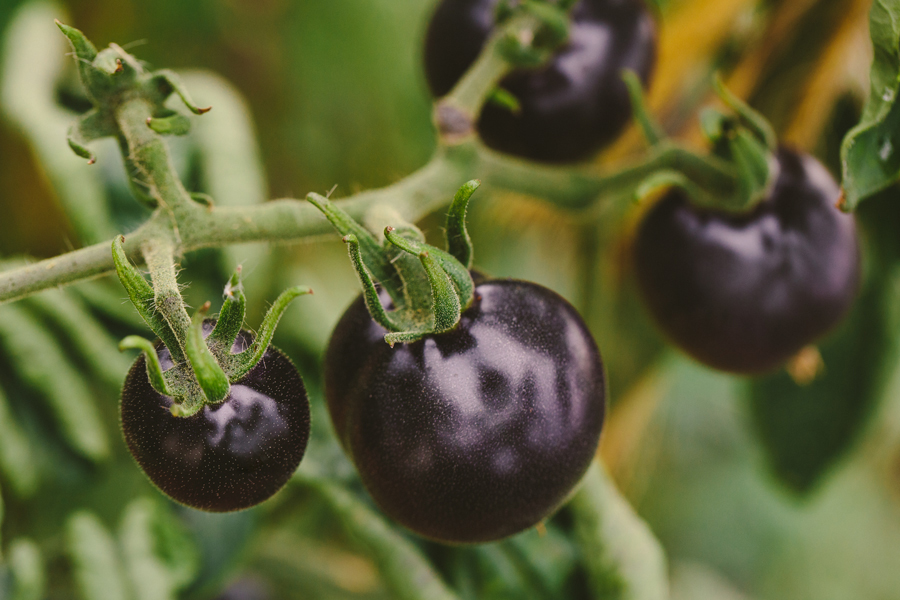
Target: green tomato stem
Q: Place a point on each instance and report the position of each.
(159, 255)
(149, 155)
(648, 124)
(455, 114)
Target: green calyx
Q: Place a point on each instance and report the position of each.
(428, 287)
(742, 142)
(112, 78)
(204, 366)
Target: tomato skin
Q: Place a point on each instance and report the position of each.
(746, 293)
(229, 456)
(475, 434)
(570, 107)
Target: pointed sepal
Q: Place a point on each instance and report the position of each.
(555, 21)
(231, 317)
(668, 179)
(249, 358)
(154, 370)
(209, 373)
(369, 247)
(463, 286)
(459, 244)
(750, 118)
(144, 299)
(446, 300)
(370, 292)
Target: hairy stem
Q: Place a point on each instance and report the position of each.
(426, 190)
(159, 255)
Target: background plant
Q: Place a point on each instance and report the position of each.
(338, 97)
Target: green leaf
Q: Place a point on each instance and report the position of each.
(16, 457)
(88, 337)
(870, 154)
(407, 574)
(159, 559)
(220, 539)
(27, 568)
(43, 365)
(805, 429)
(95, 559)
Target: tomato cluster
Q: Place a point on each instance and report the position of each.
(474, 434)
(568, 108)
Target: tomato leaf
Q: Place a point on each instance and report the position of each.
(95, 557)
(870, 154)
(806, 428)
(28, 571)
(17, 459)
(159, 557)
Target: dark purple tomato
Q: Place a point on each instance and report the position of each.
(746, 293)
(574, 104)
(231, 455)
(475, 434)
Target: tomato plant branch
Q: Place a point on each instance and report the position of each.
(188, 226)
(455, 114)
(578, 189)
(426, 190)
(147, 158)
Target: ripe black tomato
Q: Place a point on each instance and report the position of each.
(231, 455)
(570, 107)
(745, 293)
(475, 434)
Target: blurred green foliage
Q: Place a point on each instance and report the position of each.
(335, 95)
